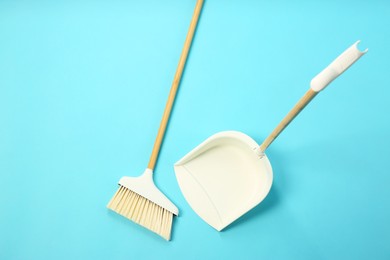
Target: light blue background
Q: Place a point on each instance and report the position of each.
(82, 88)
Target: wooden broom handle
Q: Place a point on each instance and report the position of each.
(310, 94)
(175, 85)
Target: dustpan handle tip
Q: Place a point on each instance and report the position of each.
(337, 67)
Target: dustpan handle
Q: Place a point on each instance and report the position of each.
(175, 85)
(318, 83)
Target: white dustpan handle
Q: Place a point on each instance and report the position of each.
(318, 83)
(337, 67)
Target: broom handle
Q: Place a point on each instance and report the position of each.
(175, 85)
(318, 83)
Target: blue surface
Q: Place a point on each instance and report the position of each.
(82, 88)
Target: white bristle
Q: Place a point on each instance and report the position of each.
(142, 211)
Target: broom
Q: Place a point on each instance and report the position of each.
(138, 198)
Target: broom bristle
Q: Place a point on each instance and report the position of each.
(142, 211)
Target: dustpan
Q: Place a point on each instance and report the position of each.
(220, 174)
(229, 174)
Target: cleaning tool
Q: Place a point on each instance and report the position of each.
(229, 174)
(138, 198)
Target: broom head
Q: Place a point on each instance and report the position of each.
(139, 200)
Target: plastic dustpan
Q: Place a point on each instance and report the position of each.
(229, 174)
(224, 177)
